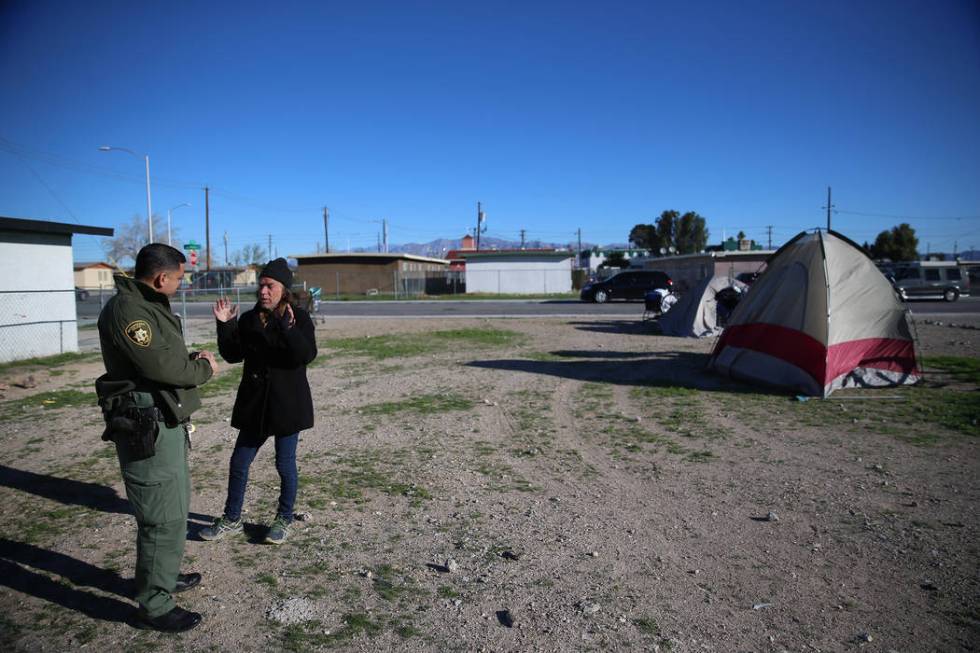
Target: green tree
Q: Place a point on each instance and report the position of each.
(666, 228)
(686, 233)
(615, 259)
(644, 236)
(898, 244)
(691, 234)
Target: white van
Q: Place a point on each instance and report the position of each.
(930, 279)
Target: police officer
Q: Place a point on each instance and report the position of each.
(148, 394)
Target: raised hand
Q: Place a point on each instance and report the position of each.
(225, 310)
(288, 317)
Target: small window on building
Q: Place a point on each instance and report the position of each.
(932, 274)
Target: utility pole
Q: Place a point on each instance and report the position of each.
(270, 246)
(522, 238)
(207, 227)
(384, 226)
(326, 231)
(769, 230)
(578, 252)
(829, 206)
(479, 215)
(226, 249)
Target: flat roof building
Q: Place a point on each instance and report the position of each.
(37, 287)
(368, 273)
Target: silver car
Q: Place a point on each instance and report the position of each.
(921, 279)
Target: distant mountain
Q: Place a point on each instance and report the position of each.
(439, 247)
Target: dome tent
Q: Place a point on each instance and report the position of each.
(822, 317)
(703, 311)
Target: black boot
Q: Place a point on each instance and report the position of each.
(186, 581)
(177, 620)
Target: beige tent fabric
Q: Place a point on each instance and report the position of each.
(791, 292)
(696, 314)
(822, 317)
(863, 303)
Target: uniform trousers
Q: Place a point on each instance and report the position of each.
(159, 492)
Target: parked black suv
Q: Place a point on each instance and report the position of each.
(628, 285)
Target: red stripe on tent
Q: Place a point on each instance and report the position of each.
(784, 343)
(809, 355)
(879, 353)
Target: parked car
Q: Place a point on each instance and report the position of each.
(627, 285)
(929, 279)
(81, 294)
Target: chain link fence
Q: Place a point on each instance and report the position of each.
(388, 284)
(37, 323)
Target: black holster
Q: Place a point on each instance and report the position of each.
(135, 430)
(132, 428)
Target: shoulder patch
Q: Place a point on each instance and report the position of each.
(140, 333)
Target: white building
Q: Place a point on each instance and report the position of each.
(37, 289)
(595, 257)
(518, 272)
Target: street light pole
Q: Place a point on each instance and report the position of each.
(149, 206)
(173, 208)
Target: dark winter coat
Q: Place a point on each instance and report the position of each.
(274, 394)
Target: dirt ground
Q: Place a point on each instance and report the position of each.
(522, 485)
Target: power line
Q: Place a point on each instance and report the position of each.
(51, 191)
(909, 217)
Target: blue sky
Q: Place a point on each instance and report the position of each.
(556, 116)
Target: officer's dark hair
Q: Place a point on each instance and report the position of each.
(156, 258)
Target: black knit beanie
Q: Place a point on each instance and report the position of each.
(278, 270)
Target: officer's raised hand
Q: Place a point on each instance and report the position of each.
(224, 310)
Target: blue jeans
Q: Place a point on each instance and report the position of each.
(246, 446)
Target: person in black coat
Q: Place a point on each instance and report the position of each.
(276, 340)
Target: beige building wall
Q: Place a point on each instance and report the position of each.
(687, 271)
(362, 278)
(247, 277)
(94, 277)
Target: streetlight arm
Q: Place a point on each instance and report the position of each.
(149, 206)
(110, 148)
(169, 231)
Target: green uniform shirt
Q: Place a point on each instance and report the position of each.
(142, 342)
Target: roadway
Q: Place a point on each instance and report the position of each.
(89, 309)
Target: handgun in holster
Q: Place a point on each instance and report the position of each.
(133, 428)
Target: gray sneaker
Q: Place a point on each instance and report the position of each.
(220, 528)
(278, 532)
